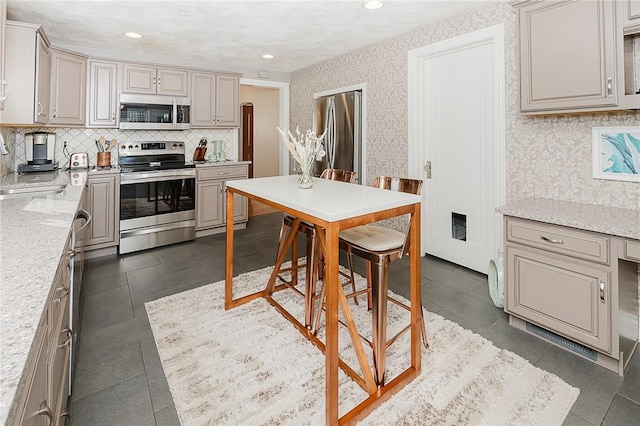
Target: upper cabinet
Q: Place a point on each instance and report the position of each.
(103, 101)
(4, 86)
(572, 57)
(68, 88)
(630, 13)
(28, 68)
(214, 100)
(155, 81)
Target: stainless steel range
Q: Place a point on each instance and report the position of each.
(157, 195)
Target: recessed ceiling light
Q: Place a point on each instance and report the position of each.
(373, 5)
(133, 35)
(268, 56)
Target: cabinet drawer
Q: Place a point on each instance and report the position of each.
(570, 299)
(557, 239)
(631, 250)
(209, 173)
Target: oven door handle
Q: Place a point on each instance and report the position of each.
(155, 177)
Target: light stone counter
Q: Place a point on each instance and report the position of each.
(33, 234)
(590, 217)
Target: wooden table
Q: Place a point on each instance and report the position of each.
(333, 206)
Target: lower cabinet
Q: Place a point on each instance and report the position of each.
(211, 199)
(558, 294)
(101, 202)
(47, 391)
(576, 284)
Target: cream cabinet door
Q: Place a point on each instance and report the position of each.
(138, 79)
(227, 101)
(567, 55)
(631, 12)
(209, 204)
(38, 409)
(103, 101)
(172, 82)
(102, 203)
(560, 294)
(68, 88)
(43, 81)
(4, 87)
(203, 102)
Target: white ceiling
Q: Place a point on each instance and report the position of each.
(227, 35)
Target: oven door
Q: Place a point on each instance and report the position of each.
(156, 208)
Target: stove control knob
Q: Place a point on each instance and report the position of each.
(136, 146)
(130, 146)
(175, 145)
(123, 147)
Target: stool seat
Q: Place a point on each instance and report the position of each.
(372, 237)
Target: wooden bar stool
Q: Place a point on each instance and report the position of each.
(313, 257)
(379, 246)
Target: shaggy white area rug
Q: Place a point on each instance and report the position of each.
(250, 366)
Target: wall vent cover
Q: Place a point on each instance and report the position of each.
(563, 341)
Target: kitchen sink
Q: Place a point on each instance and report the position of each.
(30, 191)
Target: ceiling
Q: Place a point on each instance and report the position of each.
(227, 35)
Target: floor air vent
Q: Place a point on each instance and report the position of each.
(562, 341)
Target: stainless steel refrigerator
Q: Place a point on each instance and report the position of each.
(341, 116)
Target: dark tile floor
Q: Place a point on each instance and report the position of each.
(119, 378)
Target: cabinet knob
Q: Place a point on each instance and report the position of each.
(55, 114)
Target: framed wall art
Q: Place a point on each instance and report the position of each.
(616, 153)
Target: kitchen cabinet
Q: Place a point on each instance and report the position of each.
(215, 100)
(103, 101)
(46, 394)
(630, 12)
(68, 88)
(102, 203)
(567, 55)
(154, 81)
(28, 68)
(211, 200)
(570, 284)
(4, 86)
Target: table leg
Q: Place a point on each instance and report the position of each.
(416, 303)
(228, 275)
(331, 349)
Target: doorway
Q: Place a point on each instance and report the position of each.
(259, 138)
(247, 135)
(456, 144)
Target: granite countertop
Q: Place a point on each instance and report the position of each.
(33, 234)
(589, 217)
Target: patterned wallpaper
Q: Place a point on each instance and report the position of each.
(83, 140)
(546, 156)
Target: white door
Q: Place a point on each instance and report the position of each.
(457, 130)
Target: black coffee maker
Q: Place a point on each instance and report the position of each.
(40, 148)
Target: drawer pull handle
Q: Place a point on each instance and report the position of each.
(223, 173)
(64, 293)
(45, 410)
(551, 240)
(602, 300)
(67, 341)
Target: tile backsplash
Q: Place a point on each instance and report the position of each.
(83, 140)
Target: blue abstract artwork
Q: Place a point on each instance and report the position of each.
(616, 153)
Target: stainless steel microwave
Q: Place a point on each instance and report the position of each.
(152, 112)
